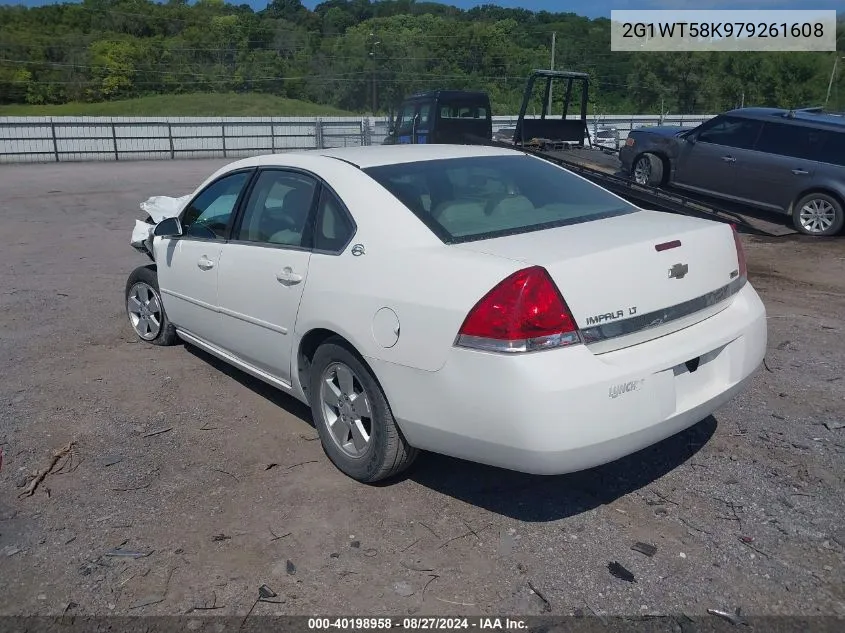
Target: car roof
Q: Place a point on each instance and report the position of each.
(378, 155)
(811, 116)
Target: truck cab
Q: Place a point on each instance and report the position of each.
(442, 116)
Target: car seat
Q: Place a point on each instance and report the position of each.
(285, 224)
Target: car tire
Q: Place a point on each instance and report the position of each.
(818, 214)
(338, 379)
(648, 170)
(145, 308)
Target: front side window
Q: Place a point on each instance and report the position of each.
(208, 215)
(467, 199)
(277, 210)
(405, 120)
(425, 114)
(730, 132)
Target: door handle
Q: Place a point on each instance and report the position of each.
(287, 276)
(204, 263)
(729, 159)
(800, 172)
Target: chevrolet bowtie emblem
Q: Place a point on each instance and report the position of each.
(678, 271)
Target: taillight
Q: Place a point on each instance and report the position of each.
(629, 141)
(740, 254)
(523, 313)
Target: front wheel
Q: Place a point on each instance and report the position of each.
(648, 170)
(356, 426)
(145, 308)
(818, 214)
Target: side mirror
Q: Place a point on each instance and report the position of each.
(168, 227)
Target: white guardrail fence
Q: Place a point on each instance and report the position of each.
(60, 139)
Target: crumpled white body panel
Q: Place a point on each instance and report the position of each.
(158, 208)
(161, 207)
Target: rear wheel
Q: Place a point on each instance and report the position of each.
(352, 416)
(818, 214)
(648, 170)
(145, 308)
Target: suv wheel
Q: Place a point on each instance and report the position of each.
(818, 214)
(648, 170)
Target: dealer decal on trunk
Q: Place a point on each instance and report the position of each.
(626, 387)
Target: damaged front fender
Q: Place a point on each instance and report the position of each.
(157, 208)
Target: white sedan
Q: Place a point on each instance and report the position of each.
(472, 301)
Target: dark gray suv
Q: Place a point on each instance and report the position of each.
(791, 162)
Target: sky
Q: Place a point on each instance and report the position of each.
(589, 8)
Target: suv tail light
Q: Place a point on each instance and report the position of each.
(740, 255)
(523, 313)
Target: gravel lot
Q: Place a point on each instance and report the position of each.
(746, 510)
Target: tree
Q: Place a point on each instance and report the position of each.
(110, 49)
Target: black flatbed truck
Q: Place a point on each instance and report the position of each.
(441, 116)
(561, 140)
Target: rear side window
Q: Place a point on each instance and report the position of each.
(482, 197)
(334, 228)
(833, 149)
(278, 209)
(730, 132)
(795, 141)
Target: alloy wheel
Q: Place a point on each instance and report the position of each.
(642, 171)
(346, 409)
(145, 313)
(817, 215)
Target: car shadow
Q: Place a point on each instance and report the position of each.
(531, 498)
(261, 388)
(540, 498)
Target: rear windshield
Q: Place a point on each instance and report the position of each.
(482, 197)
(462, 110)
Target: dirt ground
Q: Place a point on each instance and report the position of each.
(745, 510)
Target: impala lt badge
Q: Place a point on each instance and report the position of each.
(678, 271)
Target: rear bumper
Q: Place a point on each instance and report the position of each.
(560, 411)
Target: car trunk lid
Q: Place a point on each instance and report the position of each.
(631, 278)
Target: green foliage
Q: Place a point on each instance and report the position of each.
(201, 104)
(347, 53)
